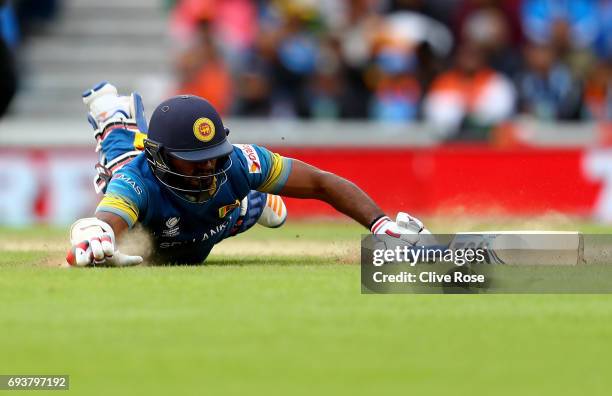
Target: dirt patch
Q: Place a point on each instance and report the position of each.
(30, 245)
(137, 241)
(345, 251)
(54, 260)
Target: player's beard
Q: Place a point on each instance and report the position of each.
(207, 190)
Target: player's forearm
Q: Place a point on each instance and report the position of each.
(306, 181)
(348, 198)
(118, 225)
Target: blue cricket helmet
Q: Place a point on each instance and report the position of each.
(188, 128)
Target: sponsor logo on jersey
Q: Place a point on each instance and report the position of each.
(224, 210)
(214, 231)
(129, 181)
(205, 236)
(250, 154)
(173, 229)
(172, 221)
(204, 129)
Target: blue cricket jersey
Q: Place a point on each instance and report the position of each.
(182, 231)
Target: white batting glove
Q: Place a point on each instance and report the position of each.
(405, 228)
(93, 243)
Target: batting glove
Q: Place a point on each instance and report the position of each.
(405, 228)
(93, 243)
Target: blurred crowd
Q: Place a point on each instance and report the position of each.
(18, 19)
(460, 64)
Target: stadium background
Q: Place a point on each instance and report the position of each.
(470, 107)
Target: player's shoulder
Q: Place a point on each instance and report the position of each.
(251, 156)
(247, 149)
(137, 168)
(135, 175)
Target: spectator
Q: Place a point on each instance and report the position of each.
(324, 99)
(510, 9)
(254, 89)
(327, 85)
(397, 92)
(489, 29)
(416, 29)
(468, 100)
(598, 92)
(32, 14)
(356, 39)
(375, 58)
(9, 26)
(203, 72)
(232, 22)
(547, 88)
(561, 22)
(603, 44)
(440, 10)
(571, 27)
(296, 56)
(8, 82)
(406, 40)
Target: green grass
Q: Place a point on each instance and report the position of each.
(289, 325)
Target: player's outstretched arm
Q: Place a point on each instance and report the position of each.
(306, 181)
(94, 242)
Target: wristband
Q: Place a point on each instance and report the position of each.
(379, 221)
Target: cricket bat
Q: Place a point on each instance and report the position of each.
(525, 247)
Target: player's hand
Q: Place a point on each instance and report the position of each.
(406, 228)
(93, 243)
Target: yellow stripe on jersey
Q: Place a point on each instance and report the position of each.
(139, 138)
(275, 172)
(119, 205)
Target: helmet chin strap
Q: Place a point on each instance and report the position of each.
(191, 195)
(183, 195)
(210, 193)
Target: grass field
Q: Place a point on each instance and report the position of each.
(280, 312)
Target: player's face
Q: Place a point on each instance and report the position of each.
(189, 168)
